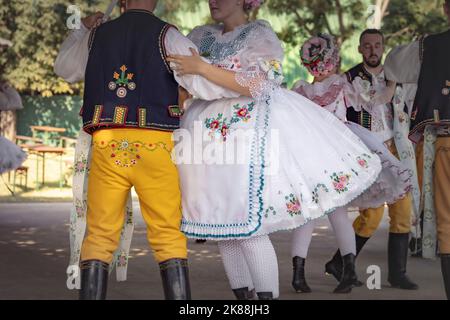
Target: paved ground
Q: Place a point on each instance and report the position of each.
(34, 251)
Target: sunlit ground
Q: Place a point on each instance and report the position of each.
(34, 246)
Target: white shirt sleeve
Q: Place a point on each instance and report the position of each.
(199, 87)
(72, 58)
(403, 63)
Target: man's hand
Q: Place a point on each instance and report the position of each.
(183, 95)
(93, 20)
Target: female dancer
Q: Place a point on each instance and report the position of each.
(334, 93)
(301, 162)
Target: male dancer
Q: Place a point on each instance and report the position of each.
(130, 108)
(371, 48)
(426, 63)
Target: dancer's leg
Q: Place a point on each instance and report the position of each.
(346, 241)
(263, 265)
(236, 268)
(343, 230)
(301, 240)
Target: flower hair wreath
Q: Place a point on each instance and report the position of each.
(252, 4)
(320, 55)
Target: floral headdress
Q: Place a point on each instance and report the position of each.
(252, 4)
(320, 54)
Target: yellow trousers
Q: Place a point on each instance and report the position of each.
(368, 220)
(441, 188)
(121, 159)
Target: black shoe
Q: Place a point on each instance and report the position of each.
(334, 266)
(175, 279)
(244, 294)
(445, 268)
(298, 280)
(397, 257)
(94, 280)
(252, 295)
(349, 275)
(265, 295)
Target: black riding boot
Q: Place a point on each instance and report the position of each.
(265, 295)
(349, 275)
(397, 257)
(334, 266)
(299, 280)
(445, 267)
(94, 280)
(175, 279)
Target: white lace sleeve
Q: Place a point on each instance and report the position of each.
(261, 61)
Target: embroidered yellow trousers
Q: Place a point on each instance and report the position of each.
(441, 188)
(139, 158)
(369, 220)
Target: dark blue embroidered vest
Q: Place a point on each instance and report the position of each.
(433, 92)
(362, 118)
(128, 82)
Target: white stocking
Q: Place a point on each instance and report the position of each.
(301, 240)
(343, 229)
(235, 265)
(262, 263)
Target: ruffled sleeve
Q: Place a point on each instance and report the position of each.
(360, 95)
(261, 60)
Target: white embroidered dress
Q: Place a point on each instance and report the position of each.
(301, 162)
(335, 94)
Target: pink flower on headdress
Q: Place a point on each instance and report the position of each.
(320, 55)
(252, 4)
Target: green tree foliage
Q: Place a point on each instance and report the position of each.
(405, 20)
(305, 18)
(36, 28)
